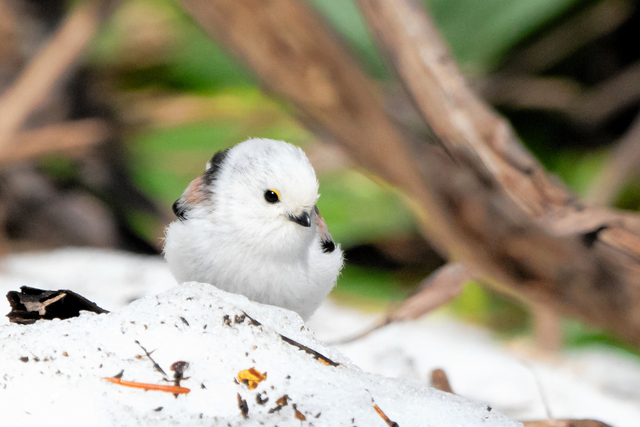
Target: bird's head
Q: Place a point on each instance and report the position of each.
(260, 189)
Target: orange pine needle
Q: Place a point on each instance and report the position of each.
(166, 388)
(324, 361)
(384, 417)
(382, 414)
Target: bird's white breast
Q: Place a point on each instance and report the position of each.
(289, 270)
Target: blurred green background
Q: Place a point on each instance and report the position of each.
(182, 98)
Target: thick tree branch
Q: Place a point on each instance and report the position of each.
(503, 208)
(488, 202)
(459, 118)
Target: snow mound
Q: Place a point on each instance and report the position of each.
(53, 371)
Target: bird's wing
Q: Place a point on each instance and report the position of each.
(198, 191)
(326, 240)
(194, 195)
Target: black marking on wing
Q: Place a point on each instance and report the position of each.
(589, 239)
(326, 241)
(328, 246)
(216, 161)
(180, 209)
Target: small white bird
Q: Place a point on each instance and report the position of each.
(250, 225)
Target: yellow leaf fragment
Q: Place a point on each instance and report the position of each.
(251, 377)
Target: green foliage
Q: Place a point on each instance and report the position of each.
(577, 169)
(63, 169)
(201, 65)
(361, 211)
(182, 56)
(578, 335)
(477, 304)
(367, 288)
(629, 197)
(168, 159)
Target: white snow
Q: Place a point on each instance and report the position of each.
(61, 383)
(53, 370)
(587, 384)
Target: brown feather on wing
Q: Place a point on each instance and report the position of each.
(195, 194)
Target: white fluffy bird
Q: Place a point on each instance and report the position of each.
(250, 225)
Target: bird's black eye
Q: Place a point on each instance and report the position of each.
(271, 196)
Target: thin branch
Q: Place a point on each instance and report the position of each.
(545, 93)
(441, 287)
(8, 38)
(610, 96)
(66, 136)
(621, 164)
(582, 28)
(439, 381)
(458, 117)
(547, 326)
(49, 65)
(588, 108)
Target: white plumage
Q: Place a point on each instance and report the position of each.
(249, 225)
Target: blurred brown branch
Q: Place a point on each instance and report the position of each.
(442, 286)
(439, 381)
(520, 85)
(601, 102)
(623, 162)
(524, 91)
(49, 65)
(590, 108)
(586, 26)
(51, 102)
(489, 202)
(67, 136)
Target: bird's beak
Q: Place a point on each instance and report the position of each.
(303, 219)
